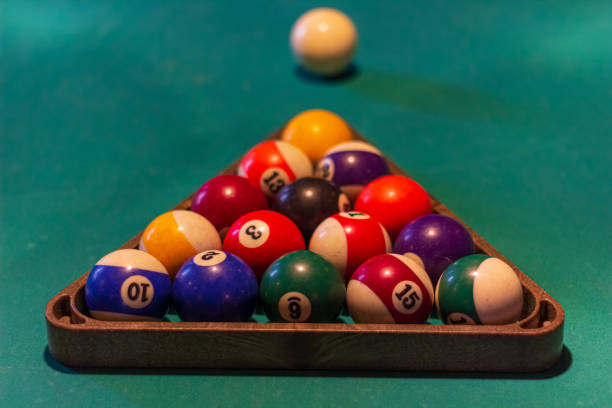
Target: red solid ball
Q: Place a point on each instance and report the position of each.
(394, 201)
(261, 237)
(224, 199)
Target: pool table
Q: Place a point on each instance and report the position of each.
(112, 112)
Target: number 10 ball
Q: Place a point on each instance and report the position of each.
(128, 285)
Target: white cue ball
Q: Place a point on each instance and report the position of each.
(323, 41)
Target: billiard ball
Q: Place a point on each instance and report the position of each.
(315, 131)
(437, 240)
(260, 237)
(302, 287)
(215, 286)
(348, 239)
(323, 41)
(390, 288)
(479, 289)
(128, 284)
(308, 201)
(224, 199)
(273, 164)
(394, 201)
(176, 236)
(352, 165)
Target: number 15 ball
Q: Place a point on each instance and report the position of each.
(390, 288)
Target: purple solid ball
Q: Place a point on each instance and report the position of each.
(437, 239)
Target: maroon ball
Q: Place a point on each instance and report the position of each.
(224, 199)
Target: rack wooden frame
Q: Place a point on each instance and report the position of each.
(532, 344)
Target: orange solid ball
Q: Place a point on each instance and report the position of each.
(315, 131)
(394, 201)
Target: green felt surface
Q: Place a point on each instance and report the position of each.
(111, 112)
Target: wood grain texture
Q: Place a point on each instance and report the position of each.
(534, 343)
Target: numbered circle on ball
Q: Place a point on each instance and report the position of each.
(344, 204)
(355, 215)
(209, 258)
(137, 291)
(459, 318)
(254, 233)
(273, 179)
(294, 307)
(325, 169)
(407, 297)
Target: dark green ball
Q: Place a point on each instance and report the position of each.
(302, 287)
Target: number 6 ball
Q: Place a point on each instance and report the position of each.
(390, 288)
(302, 287)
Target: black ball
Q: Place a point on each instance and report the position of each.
(310, 200)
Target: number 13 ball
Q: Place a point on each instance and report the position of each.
(272, 165)
(128, 285)
(479, 289)
(390, 288)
